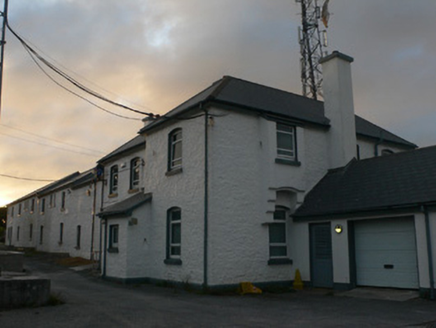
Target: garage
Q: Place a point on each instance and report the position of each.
(385, 253)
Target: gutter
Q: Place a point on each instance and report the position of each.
(206, 198)
(429, 251)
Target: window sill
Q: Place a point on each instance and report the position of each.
(77, 247)
(132, 191)
(173, 261)
(60, 243)
(288, 162)
(279, 261)
(113, 195)
(112, 250)
(174, 171)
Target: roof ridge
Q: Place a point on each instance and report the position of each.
(271, 88)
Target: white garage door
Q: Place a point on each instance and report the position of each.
(386, 253)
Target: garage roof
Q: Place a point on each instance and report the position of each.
(388, 182)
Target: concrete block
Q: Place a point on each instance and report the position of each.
(11, 261)
(23, 291)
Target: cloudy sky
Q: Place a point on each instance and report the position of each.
(154, 54)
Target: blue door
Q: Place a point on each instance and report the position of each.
(321, 255)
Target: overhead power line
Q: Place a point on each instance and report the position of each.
(37, 57)
(51, 139)
(27, 179)
(47, 145)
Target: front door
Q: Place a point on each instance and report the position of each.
(321, 255)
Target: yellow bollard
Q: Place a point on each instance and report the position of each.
(298, 283)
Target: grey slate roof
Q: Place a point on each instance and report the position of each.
(125, 207)
(262, 99)
(389, 182)
(372, 131)
(129, 145)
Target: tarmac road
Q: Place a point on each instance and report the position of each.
(91, 302)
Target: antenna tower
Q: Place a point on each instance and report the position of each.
(312, 43)
(3, 17)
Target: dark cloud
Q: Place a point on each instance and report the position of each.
(152, 55)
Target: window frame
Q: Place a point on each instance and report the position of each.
(32, 205)
(31, 232)
(175, 163)
(42, 206)
(114, 177)
(280, 218)
(171, 256)
(78, 236)
(135, 172)
(283, 129)
(41, 234)
(63, 199)
(114, 237)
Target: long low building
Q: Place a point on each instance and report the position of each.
(222, 190)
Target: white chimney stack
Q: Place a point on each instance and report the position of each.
(339, 107)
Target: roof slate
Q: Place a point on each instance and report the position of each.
(129, 145)
(125, 207)
(398, 180)
(259, 98)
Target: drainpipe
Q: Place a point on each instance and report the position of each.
(94, 202)
(101, 224)
(379, 142)
(429, 251)
(104, 248)
(206, 198)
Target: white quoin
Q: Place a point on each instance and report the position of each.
(339, 107)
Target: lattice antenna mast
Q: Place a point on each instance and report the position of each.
(312, 44)
(3, 17)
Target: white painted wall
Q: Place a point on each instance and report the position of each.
(367, 148)
(124, 190)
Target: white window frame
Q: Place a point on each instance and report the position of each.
(171, 224)
(175, 140)
(135, 172)
(114, 235)
(114, 177)
(283, 222)
(290, 131)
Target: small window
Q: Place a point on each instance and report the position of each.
(277, 235)
(42, 206)
(135, 166)
(32, 205)
(18, 233)
(113, 186)
(52, 200)
(113, 236)
(12, 211)
(175, 149)
(19, 209)
(30, 232)
(286, 142)
(78, 236)
(63, 201)
(174, 234)
(61, 233)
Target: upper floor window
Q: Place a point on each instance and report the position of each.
(32, 205)
(52, 202)
(113, 237)
(175, 149)
(19, 209)
(12, 211)
(42, 206)
(286, 142)
(63, 200)
(135, 165)
(113, 185)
